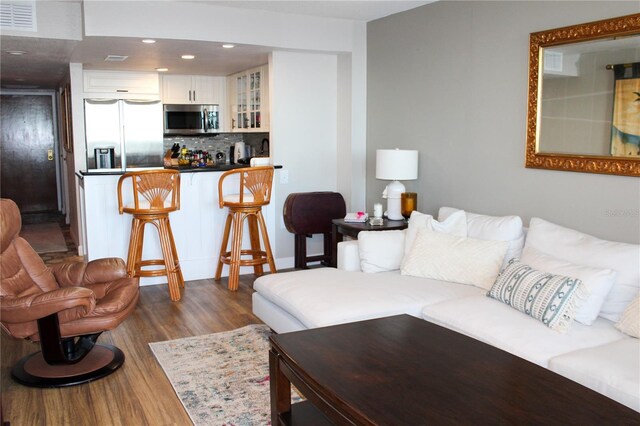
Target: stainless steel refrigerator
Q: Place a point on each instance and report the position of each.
(123, 133)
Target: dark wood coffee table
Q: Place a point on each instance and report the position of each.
(405, 371)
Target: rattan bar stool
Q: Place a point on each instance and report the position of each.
(156, 193)
(254, 192)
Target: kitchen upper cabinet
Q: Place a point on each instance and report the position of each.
(249, 100)
(121, 85)
(193, 89)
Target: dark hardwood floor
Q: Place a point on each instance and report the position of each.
(138, 393)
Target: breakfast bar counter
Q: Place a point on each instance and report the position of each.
(197, 226)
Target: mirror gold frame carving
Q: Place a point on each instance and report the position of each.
(608, 28)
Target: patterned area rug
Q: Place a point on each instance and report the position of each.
(221, 378)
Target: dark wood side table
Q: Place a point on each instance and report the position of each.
(402, 370)
(352, 229)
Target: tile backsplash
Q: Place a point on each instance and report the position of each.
(219, 143)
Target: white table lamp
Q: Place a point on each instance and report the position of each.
(395, 164)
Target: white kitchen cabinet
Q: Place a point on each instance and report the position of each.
(249, 100)
(121, 85)
(193, 89)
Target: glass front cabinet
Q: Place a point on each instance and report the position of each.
(249, 100)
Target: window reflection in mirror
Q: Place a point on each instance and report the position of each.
(577, 97)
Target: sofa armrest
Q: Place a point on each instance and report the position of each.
(348, 256)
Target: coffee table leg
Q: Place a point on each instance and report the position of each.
(280, 388)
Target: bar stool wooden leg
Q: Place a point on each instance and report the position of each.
(255, 243)
(236, 251)
(267, 245)
(131, 255)
(169, 259)
(140, 243)
(135, 246)
(223, 245)
(175, 255)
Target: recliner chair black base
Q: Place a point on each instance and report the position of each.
(34, 371)
(66, 361)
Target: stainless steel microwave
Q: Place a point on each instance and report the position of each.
(191, 119)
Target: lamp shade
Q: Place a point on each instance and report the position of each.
(396, 164)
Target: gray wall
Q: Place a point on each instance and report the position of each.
(450, 79)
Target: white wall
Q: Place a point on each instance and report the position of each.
(206, 21)
(77, 160)
(356, 170)
(450, 79)
(305, 107)
(304, 128)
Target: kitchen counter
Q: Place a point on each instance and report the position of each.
(197, 227)
(216, 168)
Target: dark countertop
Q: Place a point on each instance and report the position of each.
(217, 168)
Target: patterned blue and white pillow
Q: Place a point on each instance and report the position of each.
(552, 299)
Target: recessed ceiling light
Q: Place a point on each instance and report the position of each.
(228, 46)
(162, 69)
(20, 79)
(148, 41)
(188, 57)
(16, 52)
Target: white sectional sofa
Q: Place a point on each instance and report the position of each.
(372, 280)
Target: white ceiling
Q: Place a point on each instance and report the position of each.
(363, 10)
(46, 61)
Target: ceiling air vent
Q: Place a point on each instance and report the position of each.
(115, 58)
(18, 15)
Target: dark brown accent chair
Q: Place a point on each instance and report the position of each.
(308, 213)
(65, 307)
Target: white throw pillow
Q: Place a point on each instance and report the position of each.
(456, 224)
(597, 282)
(498, 228)
(380, 251)
(630, 321)
(457, 259)
(583, 249)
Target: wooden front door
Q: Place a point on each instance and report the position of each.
(28, 170)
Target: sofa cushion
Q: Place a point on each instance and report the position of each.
(380, 251)
(456, 259)
(597, 281)
(583, 249)
(499, 228)
(499, 325)
(327, 296)
(629, 323)
(455, 224)
(613, 369)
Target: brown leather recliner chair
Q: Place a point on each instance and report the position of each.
(64, 307)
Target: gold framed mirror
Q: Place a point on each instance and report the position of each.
(582, 114)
